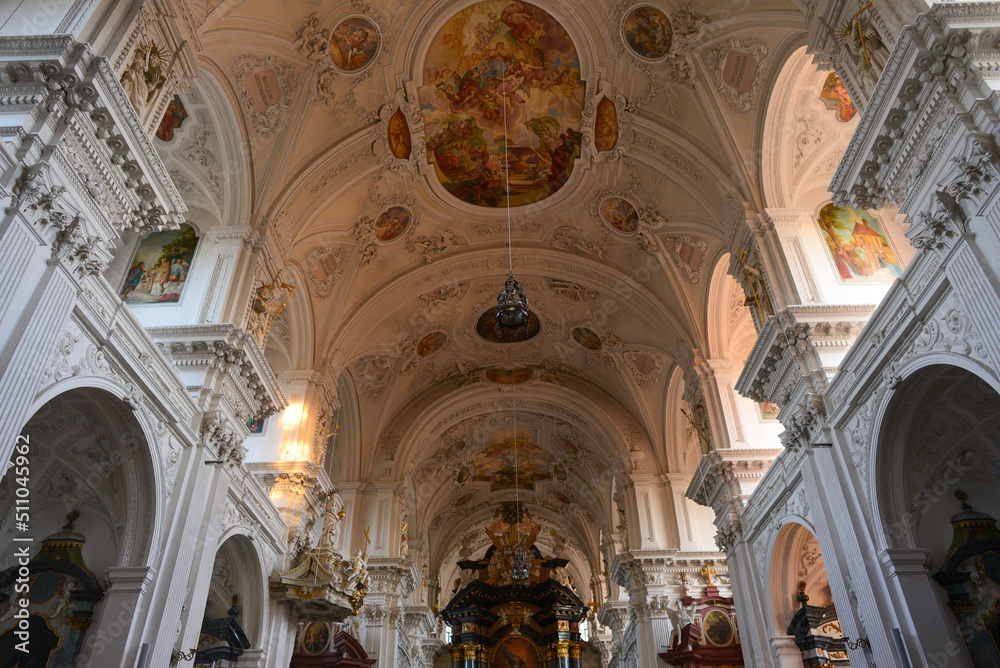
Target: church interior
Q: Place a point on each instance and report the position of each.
(499, 334)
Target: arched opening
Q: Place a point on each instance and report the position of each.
(233, 620)
(89, 509)
(936, 488)
(802, 610)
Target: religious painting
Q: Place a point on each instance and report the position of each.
(859, 247)
(514, 376)
(559, 471)
(495, 462)
(464, 499)
(768, 411)
(256, 425)
(516, 652)
(567, 445)
(718, 628)
(587, 338)
(502, 98)
(172, 119)
(559, 496)
(431, 343)
(487, 328)
(620, 214)
(391, 223)
(399, 135)
(44, 587)
(160, 266)
(606, 125)
(315, 637)
(836, 98)
(354, 43)
(647, 32)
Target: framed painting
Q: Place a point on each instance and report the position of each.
(858, 245)
(516, 652)
(160, 266)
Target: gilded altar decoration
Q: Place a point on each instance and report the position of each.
(267, 304)
(160, 267)
(497, 64)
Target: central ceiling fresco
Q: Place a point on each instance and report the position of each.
(495, 63)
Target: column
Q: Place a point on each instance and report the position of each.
(110, 640)
(930, 631)
(788, 653)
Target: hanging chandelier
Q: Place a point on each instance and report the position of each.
(512, 303)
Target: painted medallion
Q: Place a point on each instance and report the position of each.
(620, 214)
(497, 60)
(514, 376)
(647, 32)
(587, 338)
(718, 628)
(606, 126)
(315, 637)
(431, 343)
(391, 223)
(354, 43)
(399, 135)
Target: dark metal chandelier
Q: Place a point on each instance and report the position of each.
(512, 304)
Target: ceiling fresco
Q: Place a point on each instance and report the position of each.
(372, 172)
(497, 65)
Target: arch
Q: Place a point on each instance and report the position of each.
(731, 334)
(934, 434)
(796, 558)
(90, 452)
(238, 571)
(801, 138)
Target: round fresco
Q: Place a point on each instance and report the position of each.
(487, 328)
(315, 638)
(718, 628)
(497, 60)
(620, 214)
(562, 497)
(647, 32)
(431, 343)
(391, 223)
(354, 44)
(587, 338)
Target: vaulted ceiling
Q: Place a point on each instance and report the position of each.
(632, 146)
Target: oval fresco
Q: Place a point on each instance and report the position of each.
(391, 223)
(399, 135)
(315, 638)
(567, 445)
(647, 32)
(606, 125)
(491, 57)
(718, 628)
(431, 343)
(562, 497)
(464, 499)
(620, 214)
(514, 376)
(587, 338)
(487, 328)
(354, 44)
